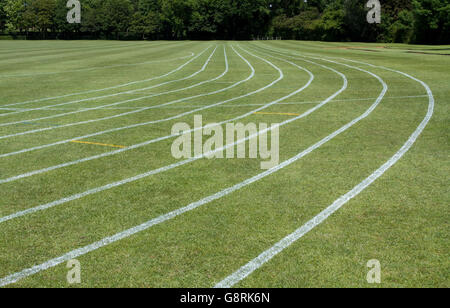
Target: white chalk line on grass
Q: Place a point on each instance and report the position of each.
(152, 172)
(108, 88)
(117, 103)
(44, 170)
(252, 74)
(90, 91)
(60, 53)
(79, 110)
(105, 96)
(242, 105)
(94, 68)
(34, 59)
(287, 241)
(127, 233)
(17, 51)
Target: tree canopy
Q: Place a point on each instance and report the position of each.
(408, 21)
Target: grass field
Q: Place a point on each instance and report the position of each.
(86, 170)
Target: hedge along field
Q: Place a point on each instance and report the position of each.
(402, 21)
(87, 173)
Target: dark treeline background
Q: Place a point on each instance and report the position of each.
(405, 21)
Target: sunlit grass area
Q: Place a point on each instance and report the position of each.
(85, 158)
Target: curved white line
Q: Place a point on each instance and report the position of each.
(51, 52)
(287, 241)
(146, 123)
(44, 170)
(109, 95)
(172, 166)
(115, 104)
(161, 120)
(75, 49)
(108, 88)
(61, 56)
(94, 68)
(122, 235)
(108, 105)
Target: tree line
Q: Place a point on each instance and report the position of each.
(403, 21)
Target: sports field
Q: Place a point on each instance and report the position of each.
(86, 170)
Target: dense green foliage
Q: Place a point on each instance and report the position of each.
(417, 21)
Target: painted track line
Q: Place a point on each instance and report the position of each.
(116, 52)
(84, 92)
(46, 56)
(44, 170)
(252, 74)
(247, 105)
(17, 51)
(106, 96)
(98, 67)
(172, 166)
(127, 233)
(287, 241)
(61, 57)
(146, 123)
(115, 104)
(109, 88)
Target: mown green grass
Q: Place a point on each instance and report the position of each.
(401, 220)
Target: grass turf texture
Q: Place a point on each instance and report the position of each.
(401, 220)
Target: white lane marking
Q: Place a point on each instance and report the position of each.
(242, 105)
(162, 120)
(155, 121)
(252, 74)
(287, 241)
(84, 92)
(114, 104)
(17, 51)
(97, 67)
(44, 170)
(104, 96)
(169, 167)
(127, 233)
(108, 88)
(59, 54)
